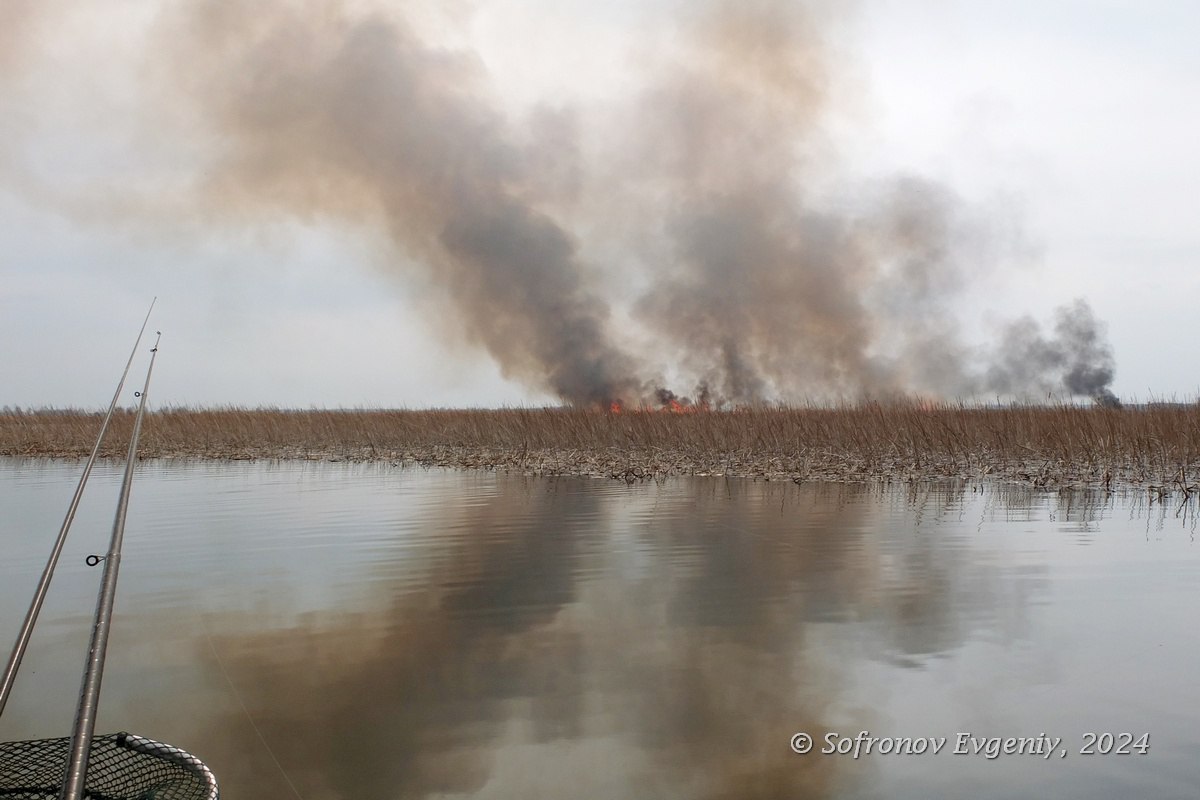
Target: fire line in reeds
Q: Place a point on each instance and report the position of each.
(1156, 445)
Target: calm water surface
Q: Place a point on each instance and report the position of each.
(330, 631)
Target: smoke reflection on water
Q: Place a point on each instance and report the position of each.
(674, 659)
(498, 637)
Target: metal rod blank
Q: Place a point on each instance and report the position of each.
(89, 692)
(39, 595)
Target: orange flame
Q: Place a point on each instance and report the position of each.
(668, 407)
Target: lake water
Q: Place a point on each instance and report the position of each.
(331, 631)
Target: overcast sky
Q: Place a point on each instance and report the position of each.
(1071, 126)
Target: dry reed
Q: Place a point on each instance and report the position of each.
(1157, 445)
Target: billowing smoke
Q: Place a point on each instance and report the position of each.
(321, 111)
(764, 272)
(1077, 354)
(772, 284)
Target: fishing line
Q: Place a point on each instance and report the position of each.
(249, 718)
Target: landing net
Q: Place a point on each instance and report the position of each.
(121, 766)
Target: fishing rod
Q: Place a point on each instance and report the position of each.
(89, 691)
(39, 595)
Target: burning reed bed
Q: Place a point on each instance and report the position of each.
(1156, 446)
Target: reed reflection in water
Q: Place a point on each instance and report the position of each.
(386, 633)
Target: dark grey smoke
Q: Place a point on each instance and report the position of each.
(773, 284)
(1089, 358)
(764, 272)
(331, 113)
(768, 286)
(1075, 359)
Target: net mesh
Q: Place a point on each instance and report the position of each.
(121, 766)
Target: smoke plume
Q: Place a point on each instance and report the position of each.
(1078, 352)
(764, 272)
(323, 112)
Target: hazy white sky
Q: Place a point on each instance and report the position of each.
(1076, 122)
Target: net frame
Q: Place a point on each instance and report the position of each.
(121, 766)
